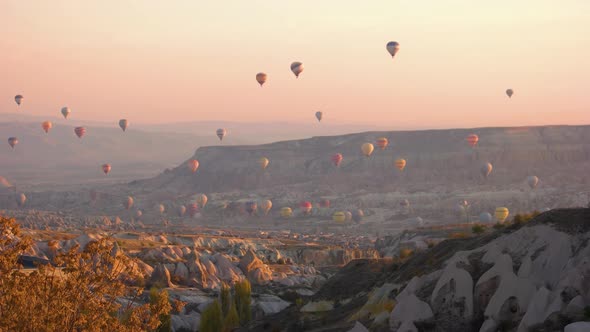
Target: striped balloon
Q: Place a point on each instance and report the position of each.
(472, 140)
(337, 159)
(400, 164)
(80, 131)
(382, 143)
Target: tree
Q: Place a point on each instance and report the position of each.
(161, 298)
(478, 229)
(232, 320)
(83, 290)
(243, 299)
(225, 298)
(211, 318)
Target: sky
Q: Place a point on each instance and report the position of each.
(188, 60)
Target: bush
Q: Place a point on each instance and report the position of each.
(243, 292)
(211, 318)
(458, 235)
(478, 229)
(232, 320)
(225, 298)
(405, 253)
(498, 226)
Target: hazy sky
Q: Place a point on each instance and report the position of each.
(153, 61)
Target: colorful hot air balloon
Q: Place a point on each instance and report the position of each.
(181, 210)
(128, 202)
(106, 168)
(21, 199)
(202, 200)
(263, 162)
(319, 116)
(501, 214)
(261, 78)
(509, 93)
(12, 141)
(18, 99)
(532, 181)
(486, 169)
(400, 164)
(123, 123)
(337, 159)
(382, 143)
(265, 206)
(392, 47)
(286, 212)
(46, 125)
(367, 149)
(485, 217)
(339, 217)
(297, 68)
(358, 215)
(80, 131)
(221, 133)
(65, 111)
(193, 209)
(472, 140)
(251, 207)
(4, 183)
(193, 165)
(305, 207)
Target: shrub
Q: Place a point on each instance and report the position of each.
(243, 291)
(211, 318)
(478, 229)
(458, 235)
(225, 298)
(405, 253)
(232, 320)
(499, 226)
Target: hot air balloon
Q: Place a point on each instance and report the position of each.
(485, 217)
(348, 215)
(305, 207)
(261, 78)
(18, 99)
(472, 140)
(459, 210)
(501, 214)
(265, 206)
(4, 183)
(404, 203)
(138, 213)
(392, 48)
(532, 181)
(367, 149)
(251, 207)
(65, 111)
(106, 168)
(221, 133)
(202, 200)
(21, 199)
(123, 123)
(358, 215)
(319, 115)
(263, 162)
(400, 164)
(12, 141)
(181, 210)
(486, 169)
(193, 165)
(128, 202)
(161, 208)
(418, 220)
(382, 143)
(286, 212)
(80, 131)
(509, 93)
(339, 217)
(193, 209)
(337, 159)
(46, 125)
(297, 68)
(325, 203)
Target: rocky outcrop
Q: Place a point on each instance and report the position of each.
(161, 277)
(255, 270)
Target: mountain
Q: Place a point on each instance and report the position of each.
(532, 277)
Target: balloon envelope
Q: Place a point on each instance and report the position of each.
(80, 131)
(106, 168)
(202, 200)
(18, 99)
(509, 93)
(221, 133)
(65, 111)
(263, 162)
(297, 68)
(128, 202)
(261, 78)
(382, 143)
(339, 217)
(286, 212)
(486, 169)
(251, 207)
(337, 159)
(472, 140)
(400, 164)
(193, 165)
(181, 210)
(305, 207)
(392, 48)
(266, 205)
(319, 115)
(367, 149)
(12, 141)
(532, 181)
(46, 125)
(358, 215)
(21, 199)
(501, 214)
(485, 217)
(123, 123)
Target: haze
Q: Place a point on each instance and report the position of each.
(156, 61)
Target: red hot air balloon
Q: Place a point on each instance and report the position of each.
(106, 168)
(193, 165)
(80, 131)
(305, 207)
(472, 140)
(382, 143)
(337, 159)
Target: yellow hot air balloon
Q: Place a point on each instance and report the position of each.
(266, 205)
(400, 164)
(501, 214)
(263, 162)
(339, 217)
(367, 149)
(286, 212)
(202, 200)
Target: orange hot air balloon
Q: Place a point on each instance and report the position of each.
(263, 162)
(202, 200)
(337, 159)
(128, 202)
(106, 168)
(261, 78)
(80, 131)
(472, 140)
(266, 205)
(382, 143)
(193, 165)
(21, 199)
(400, 164)
(367, 149)
(46, 126)
(305, 207)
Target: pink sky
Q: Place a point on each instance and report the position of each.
(186, 60)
